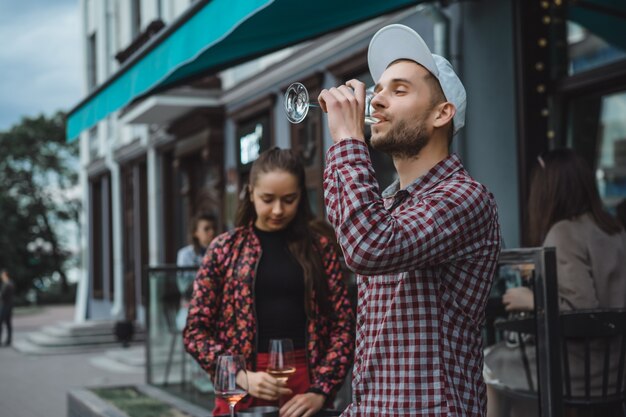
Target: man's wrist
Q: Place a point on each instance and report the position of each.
(342, 138)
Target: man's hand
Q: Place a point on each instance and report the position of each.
(303, 405)
(518, 299)
(345, 106)
(264, 386)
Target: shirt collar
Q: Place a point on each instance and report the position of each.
(442, 170)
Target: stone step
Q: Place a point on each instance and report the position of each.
(95, 327)
(68, 337)
(45, 339)
(29, 348)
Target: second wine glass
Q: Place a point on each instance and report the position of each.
(297, 104)
(231, 380)
(281, 364)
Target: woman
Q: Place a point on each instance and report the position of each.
(565, 212)
(201, 232)
(272, 277)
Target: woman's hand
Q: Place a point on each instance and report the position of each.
(518, 299)
(264, 386)
(303, 405)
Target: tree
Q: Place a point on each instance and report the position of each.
(38, 200)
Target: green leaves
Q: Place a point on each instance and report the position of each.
(38, 171)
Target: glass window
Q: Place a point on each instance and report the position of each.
(588, 50)
(597, 130)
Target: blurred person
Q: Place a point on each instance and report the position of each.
(565, 212)
(273, 277)
(425, 251)
(6, 305)
(202, 230)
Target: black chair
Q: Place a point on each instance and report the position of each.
(592, 342)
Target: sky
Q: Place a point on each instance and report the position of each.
(40, 58)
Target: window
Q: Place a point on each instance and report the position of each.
(253, 131)
(135, 16)
(597, 130)
(588, 50)
(101, 238)
(92, 68)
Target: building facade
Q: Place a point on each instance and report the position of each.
(536, 78)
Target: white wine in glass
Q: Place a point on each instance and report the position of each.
(231, 380)
(297, 104)
(281, 363)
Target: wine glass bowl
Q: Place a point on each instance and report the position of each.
(281, 364)
(231, 380)
(297, 103)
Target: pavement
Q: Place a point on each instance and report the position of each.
(37, 385)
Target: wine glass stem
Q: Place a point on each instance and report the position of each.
(313, 104)
(232, 410)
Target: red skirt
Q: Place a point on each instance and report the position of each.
(298, 383)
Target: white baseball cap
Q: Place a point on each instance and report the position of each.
(397, 41)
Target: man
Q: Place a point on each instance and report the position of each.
(6, 304)
(425, 251)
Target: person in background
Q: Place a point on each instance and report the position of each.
(425, 250)
(565, 212)
(202, 230)
(272, 277)
(6, 305)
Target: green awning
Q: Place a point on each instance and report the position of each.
(219, 34)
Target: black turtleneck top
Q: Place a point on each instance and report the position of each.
(279, 293)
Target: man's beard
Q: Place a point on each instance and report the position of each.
(402, 141)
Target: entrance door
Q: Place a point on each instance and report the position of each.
(135, 234)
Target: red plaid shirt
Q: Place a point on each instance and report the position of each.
(425, 258)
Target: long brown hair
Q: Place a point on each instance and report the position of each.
(302, 243)
(562, 188)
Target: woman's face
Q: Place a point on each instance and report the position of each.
(205, 232)
(275, 196)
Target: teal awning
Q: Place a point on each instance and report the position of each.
(216, 35)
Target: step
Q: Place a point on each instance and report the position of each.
(84, 329)
(29, 348)
(44, 339)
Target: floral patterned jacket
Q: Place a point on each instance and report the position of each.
(222, 320)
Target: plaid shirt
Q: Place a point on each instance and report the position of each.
(425, 258)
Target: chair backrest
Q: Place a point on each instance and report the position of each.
(594, 348)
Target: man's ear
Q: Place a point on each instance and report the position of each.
(444, 114)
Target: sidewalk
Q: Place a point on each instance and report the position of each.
(37, 386)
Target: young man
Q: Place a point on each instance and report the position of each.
(425, 251)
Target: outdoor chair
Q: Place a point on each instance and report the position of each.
(593, 343)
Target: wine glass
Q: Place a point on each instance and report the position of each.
(231, 380)
(281, 363)
(297, 104)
